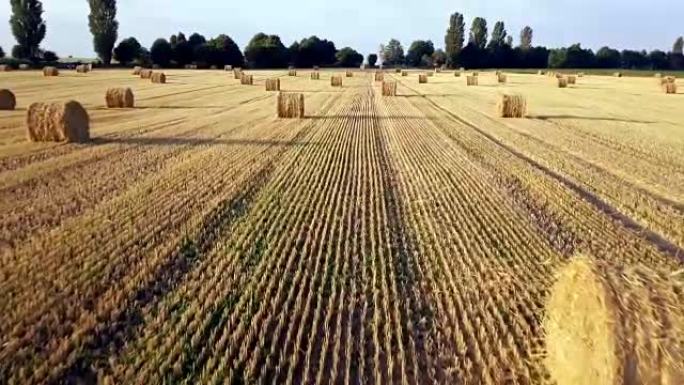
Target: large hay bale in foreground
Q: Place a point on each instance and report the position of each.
(512, 106)
(146, 74)
(50, 71)
(472, 81)
(670, 88)
(336, 81)
(5, 68)
(158, 78)
(272, 84)
(389, 88)
(290, 105)
(562, 82)
(7, 100)
(379, 76)
(315, 75)
(246, 80)
(137, 70)
(501, 78)
(58, 122)
(614, 325)
(422, 78)
(83, 68)
(120, 98)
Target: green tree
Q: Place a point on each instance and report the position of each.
(347, 57)
(104, 27)
(526, 38)
(127, 50)
(417, 50)
(161, 52)
(313, 51)
(220, 51)
(266, 51)
(678, 47)
(478, 33)
(372, 60)
(439, 58)
(28, 27)
(499, 35)
(183, 51)
(607, 57)
(455, 36)
(393, 53)
(49, 56)
(2, 53)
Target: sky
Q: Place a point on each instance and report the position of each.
(365, 24)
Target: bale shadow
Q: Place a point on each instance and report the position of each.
(366, 117)
(591, 118)
(170, 141)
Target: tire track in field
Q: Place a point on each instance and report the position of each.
(655, 239)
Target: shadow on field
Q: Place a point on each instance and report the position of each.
(194, 142)
(367, 117)
(594, 118)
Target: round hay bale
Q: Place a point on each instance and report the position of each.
(83, 68)
(5, 68)
(501, 78)
(614, 325)
(58, 122)
(562, 82)
(273, 84)
(670, 88)
(389, 88)
(50, 71)
(7, 100)
(315, 76)
(336, 81)
(472, 81)
(422, 78)
(512, 106)
(158, 78)
(120, 98)
(379, 76)
(24, 67)
(146, 74)
(290, 105)
(137, 70)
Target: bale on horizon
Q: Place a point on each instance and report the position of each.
(246, 80)
(120, 98)
(58, 122)
(137, 70)
(50, 71)
(83, 68)
(315, 75)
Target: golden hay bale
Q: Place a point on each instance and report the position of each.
(501, 78)
(404, 73)
(438, 70)
(349, 74)
(272, 84)
(237, 73)
(475, 74)
(228, 68)
(137, 70)
(670, 88)
(379, 76)
(24, 67)
(429, 74)
(389, 88)
(146, 74)
(617, 74)
(336, 81)
(658, 75)
(512, 106)
(5, 68)
(666, 79)
(540, 72)
(58, 122)
(315, 76)
(614, 325)
(158, 78)
(246, 80)
(7, 100)
(572, 79)
(422, 79)
(472, 80)
(457, 74)
(50, 71)
(580, 75)
(120, 98)
(83, 68)
(559, 75)
(397, 70)
(562, 82)
(292, 73)
(290, 105)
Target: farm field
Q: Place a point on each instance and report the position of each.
(407, 240)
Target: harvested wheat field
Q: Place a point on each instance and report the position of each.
(198, 238)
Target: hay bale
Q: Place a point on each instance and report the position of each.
(404, 73)
(272, 84)
(336, 81)
(120, 98)
(228, 68)
(422, 78)
(572, 79)
(5, 68)
(501, 78)
(246, 80)
(472, 81)
(290, 105)
(540, 72)
(670, 88)
(379, 76)
(666, 79)
(7, 100)
(475, 74)
(237, 73)
(194, 67)
(50, 71)
(617, 74)
(429, 74)
(82, 68)
(24, 67)
(137, 70)
(512, 106)
(292, 73)
(562, 82)
(580, 75)
(58, 122)
(457, 74)
(438, 70)
(146, 74)
(614, 325)
(158, 78)
(315, 76)
(397, 70)
(349, 74)
(389, 88)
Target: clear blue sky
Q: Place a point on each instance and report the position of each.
(363, 25)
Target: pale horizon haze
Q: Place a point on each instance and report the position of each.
(364, 25)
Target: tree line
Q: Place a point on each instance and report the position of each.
(483, 50)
